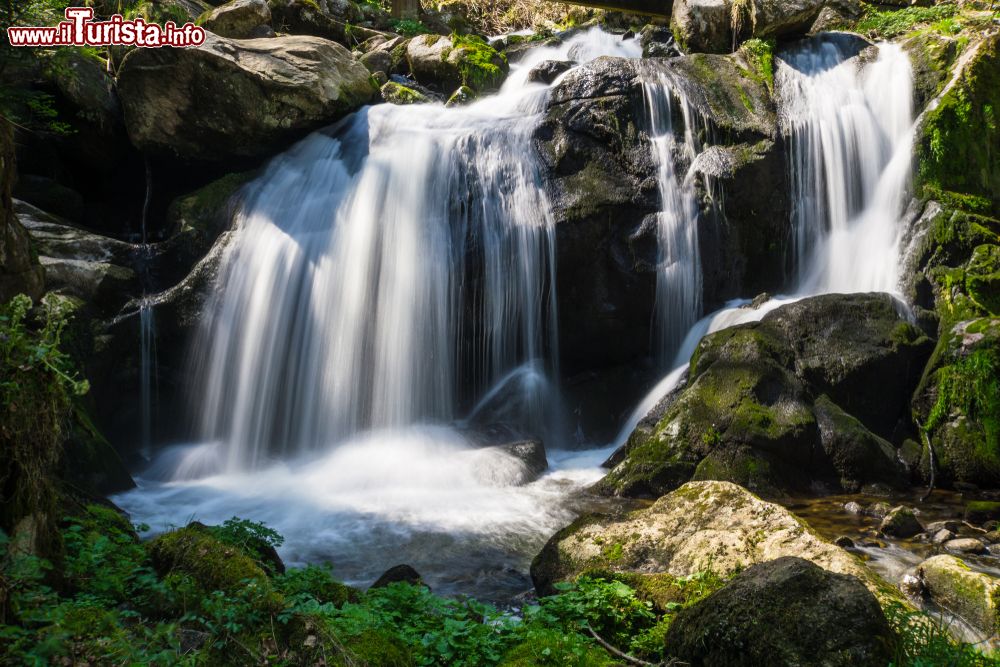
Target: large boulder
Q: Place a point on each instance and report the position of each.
(786, 611)
(599, 172)
(719, 26)
(808, 394)
(445, 63)
(95, 269)
(716, 526)
(229, 98)
(953, 585)
(238, 19)
(328, 19)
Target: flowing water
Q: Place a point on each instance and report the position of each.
(392, 285)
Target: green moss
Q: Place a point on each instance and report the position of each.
(396, 93)
(214, 566)
(759, 54)
(555, 647)
(960, 144)
(893, 22)
(482, 67)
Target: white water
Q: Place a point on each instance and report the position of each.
(331, 353)
(850, 131)
(346, 337)
(678, 273)
(346, 306)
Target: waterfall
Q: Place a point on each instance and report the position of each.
(147, 376)
(678, 273)
(385, 273)
(849, 125)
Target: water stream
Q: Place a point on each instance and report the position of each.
(349, 354)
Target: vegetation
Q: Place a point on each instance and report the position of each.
(889, 23)
(119, 603)
(38, 385)
(481, 66)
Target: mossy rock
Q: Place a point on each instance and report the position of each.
(785, 402)
(786, 611)
(959, 145)
(89, 462)
(972, 595)
(197, 218)
(981, 511)
(397, 93)
(212, 565)
(958, 404)
(710, 526)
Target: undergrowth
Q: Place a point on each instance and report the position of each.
(889, 23)
(117, 605)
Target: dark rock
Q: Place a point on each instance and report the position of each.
(529, 452)
(900, 522)
(844, 542)
(759, 396)
(20, 272)
(980, 511)
(399, 573)
(186, 102)
(786, 611)
(658, 42)
(50, 195)
(548, 70)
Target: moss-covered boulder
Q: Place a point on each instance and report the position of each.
(981, 511)
(445, 63)
(397, 93)
(187, 102)
(959, 144)
(786, 611)
(972, 595)
(808, 394)
(958, 404)
(193, 553)
(714, 526)
(330, 19)
(900, 522)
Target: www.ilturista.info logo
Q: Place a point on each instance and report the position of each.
(79, 30)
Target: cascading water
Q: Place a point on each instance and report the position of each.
(386, 276)
(850, 133)
(678, 274)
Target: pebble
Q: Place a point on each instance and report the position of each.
(854, 508)
(935, 526)
(878, 510)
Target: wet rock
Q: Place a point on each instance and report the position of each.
(529, 452)
(993, 537)
(548, 70)
(463, 95)
(396, 93)
(937, 526)
(878, 510)
(965, 545)
(658, 42)
(954, 586)
(912, 587)
(702, 525)
(844, 542)
(399, 573)
(786, 611)
(238, 19)
(853, 507)
(900, 522)
(980, 511)
(781, 403)
(942, 536)
(186, 102)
